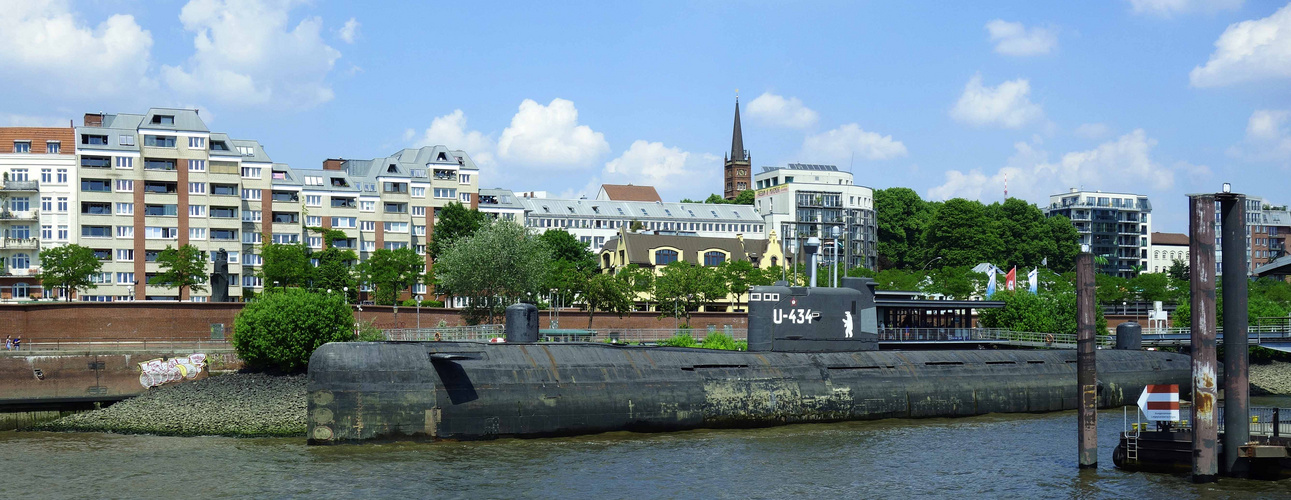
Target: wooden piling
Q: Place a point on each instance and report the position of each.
(1086, 377)
(1205, 393)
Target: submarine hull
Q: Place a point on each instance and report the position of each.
(360, 391)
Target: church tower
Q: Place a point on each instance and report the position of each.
(738, 165)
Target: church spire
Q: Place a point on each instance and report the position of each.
(737, 137)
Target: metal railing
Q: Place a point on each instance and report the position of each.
(445, 333)
(647, 335)
(996, 335)
(42, 344)
(1265, 421)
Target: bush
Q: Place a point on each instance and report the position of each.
(424, 303)
(368, 332)
(719, 340)
(679, 340)
(280, 330)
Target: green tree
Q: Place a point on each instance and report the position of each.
(902, 217)
(281, 330)
(954, 282)
(1179, 270)
(455, 222)
(286, 265)
(183, 267)
(335, 272)
(1150, 287)
(745, 197)
(737, 276)
(682, 287)
(566, 247)
(68, 267)
(392, 271)
(607, 293)
(962, 234)
(497, 266)
(639, 279)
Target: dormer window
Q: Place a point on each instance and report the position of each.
(219, 146)
(339, 182)
(441, 157)
(163, 119)
(392, 169)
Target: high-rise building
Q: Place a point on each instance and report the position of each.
(38, 166)
(738, 165)
(1114, 225)
(801, 201)
(1267, 228)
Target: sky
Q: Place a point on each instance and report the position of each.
(1154, 97)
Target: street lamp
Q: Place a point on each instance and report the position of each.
(419, 315)
(929, 263)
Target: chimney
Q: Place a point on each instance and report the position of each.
(333, 164)
(94, 119)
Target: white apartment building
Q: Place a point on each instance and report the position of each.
(800, 201)
(37, 173)
(1164, 249)
(1114, 225)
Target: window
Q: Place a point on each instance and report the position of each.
(419, 211)
(125, 231)
(465, 197)
(368, 206)
(122, 140)
(369, 246)
(94, 140)
(665, 257)
(196, 143)
(96, 231)
(125, 162)
(445, 193)
(419, 230)
(367, 225)
(396, 227)
(342, 202)
(314, 241)
(395, 245)
(20, 204)
(96, 162)
(314, 220)
(53, 147)
(251, 237)
(125, 278)
(417, 172)
(313, 180)
(62, 176)
(196, 165)
(419, 192)
(96, 185)
(251, 172)
(279, 175)
(286, 217)
(196, 187)
(395, 187)
(197, 210)
(464, 178)
(163, 120)
(62, 233)
(284, 238)
(21, 261)
(396, 208)
(160, 233)
(22, 146)
(252, 281)
(224, 212)
(251, 215)
(20, 232)
(313, 200)
(125, 185)
(286, 196)
(125, 208)
(224, 234)
(250, 259)
(125, 255)
(713, 258)
(46, 176)
(232, 190)
(246, 150)
(159, 187)
(47, 233)
(158, 164)
(159, 141)
(196, 233)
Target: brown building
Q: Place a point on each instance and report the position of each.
(738, 167)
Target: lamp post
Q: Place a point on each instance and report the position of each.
(419, 315)
(929, 263)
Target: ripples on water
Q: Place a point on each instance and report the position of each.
(997, 456)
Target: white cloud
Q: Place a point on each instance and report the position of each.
(1250, 50)
(48, 48)
(843, 143)
(776, 110)
(1006, 105)
(551, 136)
(1124, 164)
(350, 31)
(450, 130)
(1168, 8)
(1268, 137)
(246, 55)
(1014, 39)
(1093, 130)
(673, 172)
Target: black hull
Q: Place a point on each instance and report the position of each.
(467, 391)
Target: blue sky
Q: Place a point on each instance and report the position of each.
(1159, 97)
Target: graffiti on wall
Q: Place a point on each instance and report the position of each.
(155, 372)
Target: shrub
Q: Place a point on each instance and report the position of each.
(368, 332)
(678, 340)
(280, 330)
(719, 340)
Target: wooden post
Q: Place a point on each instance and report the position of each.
(1205, 393)
(1086, 375)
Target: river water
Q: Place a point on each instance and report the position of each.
(998, 456)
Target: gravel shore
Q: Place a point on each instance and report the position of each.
(237, 404)
(1273, 378)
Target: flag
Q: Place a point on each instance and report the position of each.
(990, 285)
(1044, 262)
(1011, 279)
(1032, 278)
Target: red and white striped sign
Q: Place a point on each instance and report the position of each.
(1160, 402)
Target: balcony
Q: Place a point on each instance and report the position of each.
(20, 187)
(9, 272)
(20, 243)
(29, 215)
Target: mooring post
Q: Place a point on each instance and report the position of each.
(1086, 377)
(1201, 260)
(1237, 391)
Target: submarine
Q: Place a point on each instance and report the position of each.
(813, 357)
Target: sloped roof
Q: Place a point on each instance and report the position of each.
(628, 192)
(1170, 239)
(640, 245)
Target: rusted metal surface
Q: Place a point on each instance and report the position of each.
(1086, 377)
(1205, 393)
(1237, 389)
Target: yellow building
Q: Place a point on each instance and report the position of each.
(655, 251)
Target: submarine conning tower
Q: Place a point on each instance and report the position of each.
(804, 319)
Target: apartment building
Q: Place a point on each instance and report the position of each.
(1114, 225)
(37, 170)
(1267, 228)
(801, 201)
(595, 221)
(1164, 249)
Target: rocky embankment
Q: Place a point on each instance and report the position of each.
(1272, 378)
(237, 404)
